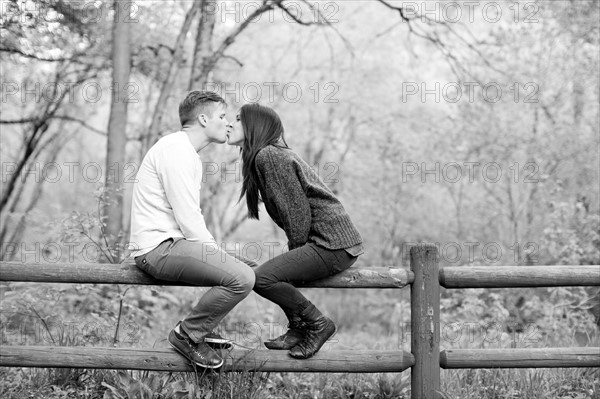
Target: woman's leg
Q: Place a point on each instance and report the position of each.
(274, 281)
(310, 262)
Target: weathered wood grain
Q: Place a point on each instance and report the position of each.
(519, 276)
(128, 273)
(520, 358)
(349, 361)
(425, 322)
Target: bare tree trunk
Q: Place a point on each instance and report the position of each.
(40, 125)
(117, 127)
(34, 142)
(208, 59)
(157, 115)
(15, 200)
(39, 128)
(205, 59)
(201, 67)
(34, 199)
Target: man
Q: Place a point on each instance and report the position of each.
(169, 234)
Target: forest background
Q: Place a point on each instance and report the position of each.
(472, 125)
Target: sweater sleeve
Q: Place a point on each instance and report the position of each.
(284, 190)
(182, 190)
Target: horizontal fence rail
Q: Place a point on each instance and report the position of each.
(519, 358)
(519, 276)
(425, 278)
(325, 361)
(351, 361)
(369, 277)
(128, 273)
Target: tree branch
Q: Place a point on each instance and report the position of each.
(455, 64)
(232, 36)
(301, 22)
(153, 129)
(232, 58)
(156, 49)
(72, 58)
(61, 117)
(399, 9)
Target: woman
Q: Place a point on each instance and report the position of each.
(322, 240)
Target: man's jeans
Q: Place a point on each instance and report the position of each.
(178, 259)
(307, 263)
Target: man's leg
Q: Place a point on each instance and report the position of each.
(202, 265)
(240, 257)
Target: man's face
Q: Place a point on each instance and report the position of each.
(215, 124)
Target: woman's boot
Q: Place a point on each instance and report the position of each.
(292, 337)
(318, 329)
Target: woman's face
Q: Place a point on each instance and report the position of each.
(235, 132)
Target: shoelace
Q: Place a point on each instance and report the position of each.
(194, 347)
(195, 350)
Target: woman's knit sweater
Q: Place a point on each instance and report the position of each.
(301, 204)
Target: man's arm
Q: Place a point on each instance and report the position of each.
(176, 172)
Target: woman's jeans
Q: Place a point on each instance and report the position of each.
(178, 259)
(307, 263)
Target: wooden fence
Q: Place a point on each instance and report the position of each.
(425, 359)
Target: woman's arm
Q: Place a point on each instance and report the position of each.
(283, 189)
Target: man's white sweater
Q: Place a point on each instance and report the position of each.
(166, 196)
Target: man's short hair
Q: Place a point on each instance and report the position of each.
(196, 103)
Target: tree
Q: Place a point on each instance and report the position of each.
(117, 124)
(151, 136)
(58, 56)
(202, 63)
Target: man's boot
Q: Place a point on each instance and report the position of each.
(317, 331)
(292, 337)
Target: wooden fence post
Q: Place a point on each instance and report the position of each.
(425, 322)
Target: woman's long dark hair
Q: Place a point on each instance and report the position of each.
(262, 127)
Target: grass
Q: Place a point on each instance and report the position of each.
(456, 384)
